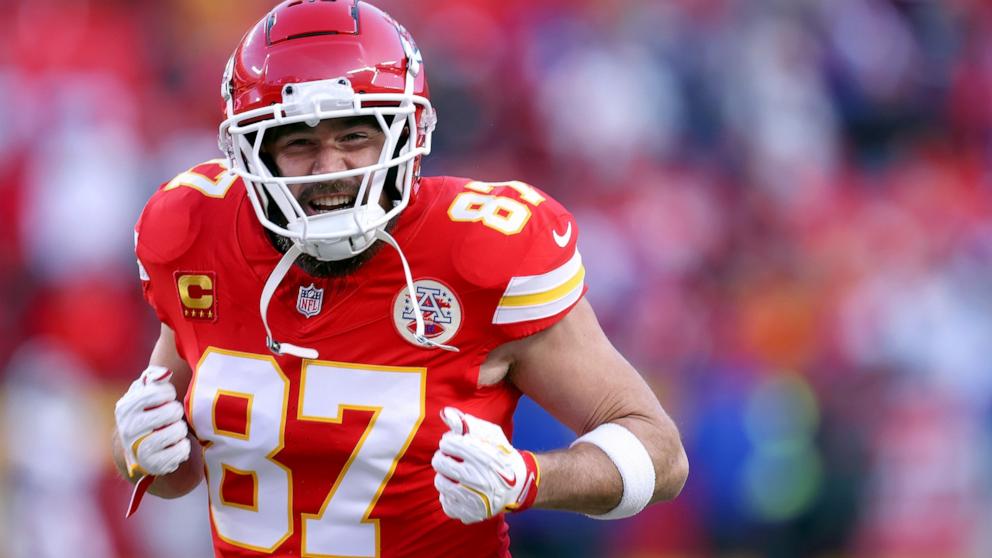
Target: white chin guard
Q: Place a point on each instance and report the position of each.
(358, 222)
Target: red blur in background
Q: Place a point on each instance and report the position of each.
(785, 210)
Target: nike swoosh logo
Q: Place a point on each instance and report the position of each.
(510, 481)
(562, 239)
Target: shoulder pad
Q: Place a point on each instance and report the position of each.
(172, 218)
(507, 230)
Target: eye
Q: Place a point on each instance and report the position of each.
(355, 136)
(296, 142)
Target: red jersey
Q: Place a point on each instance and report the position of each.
(331, 457)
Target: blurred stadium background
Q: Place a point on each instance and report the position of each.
(784, 206)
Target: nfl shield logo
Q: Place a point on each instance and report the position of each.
(310, 300)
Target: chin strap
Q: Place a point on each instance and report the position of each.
(268, 290)
(412, 293)
(283, 267)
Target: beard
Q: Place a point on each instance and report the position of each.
(314, 266)
(324, 268)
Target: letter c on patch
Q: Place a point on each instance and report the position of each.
(205, 298)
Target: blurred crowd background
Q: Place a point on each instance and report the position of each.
(785, 212)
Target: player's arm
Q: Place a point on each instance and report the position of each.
(190, 470)
(629, 453)
(574, 372)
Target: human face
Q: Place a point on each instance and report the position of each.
(333, 145)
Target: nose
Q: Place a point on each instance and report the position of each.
(330, 159)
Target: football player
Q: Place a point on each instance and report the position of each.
(344, 342)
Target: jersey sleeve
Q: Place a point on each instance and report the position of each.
(535, 274)
(549, 278)
(537, 298)
(146, 281)
(168, 229)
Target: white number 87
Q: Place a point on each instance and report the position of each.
(342, 527)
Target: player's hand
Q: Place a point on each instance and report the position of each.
(478, 473)
(150, 425)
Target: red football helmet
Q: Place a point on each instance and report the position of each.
(309, 60)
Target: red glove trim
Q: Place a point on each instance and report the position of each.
(532, 481)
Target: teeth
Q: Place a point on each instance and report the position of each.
(330, 202)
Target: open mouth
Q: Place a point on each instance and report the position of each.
(329, 202)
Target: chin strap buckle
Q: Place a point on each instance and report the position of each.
(425, 342)
(280, 349)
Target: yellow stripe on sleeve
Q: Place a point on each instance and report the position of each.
(545, 297)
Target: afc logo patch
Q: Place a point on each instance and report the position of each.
(440, 308)
(198, 294)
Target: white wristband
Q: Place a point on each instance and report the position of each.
(632, 460)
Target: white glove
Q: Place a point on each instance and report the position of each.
(478, 473)
(150, 425)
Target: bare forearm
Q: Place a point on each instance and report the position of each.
(574, 372)
(175, 484)
(580, 479)
(584, 479)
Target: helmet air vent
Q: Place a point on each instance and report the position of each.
(335, 18)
